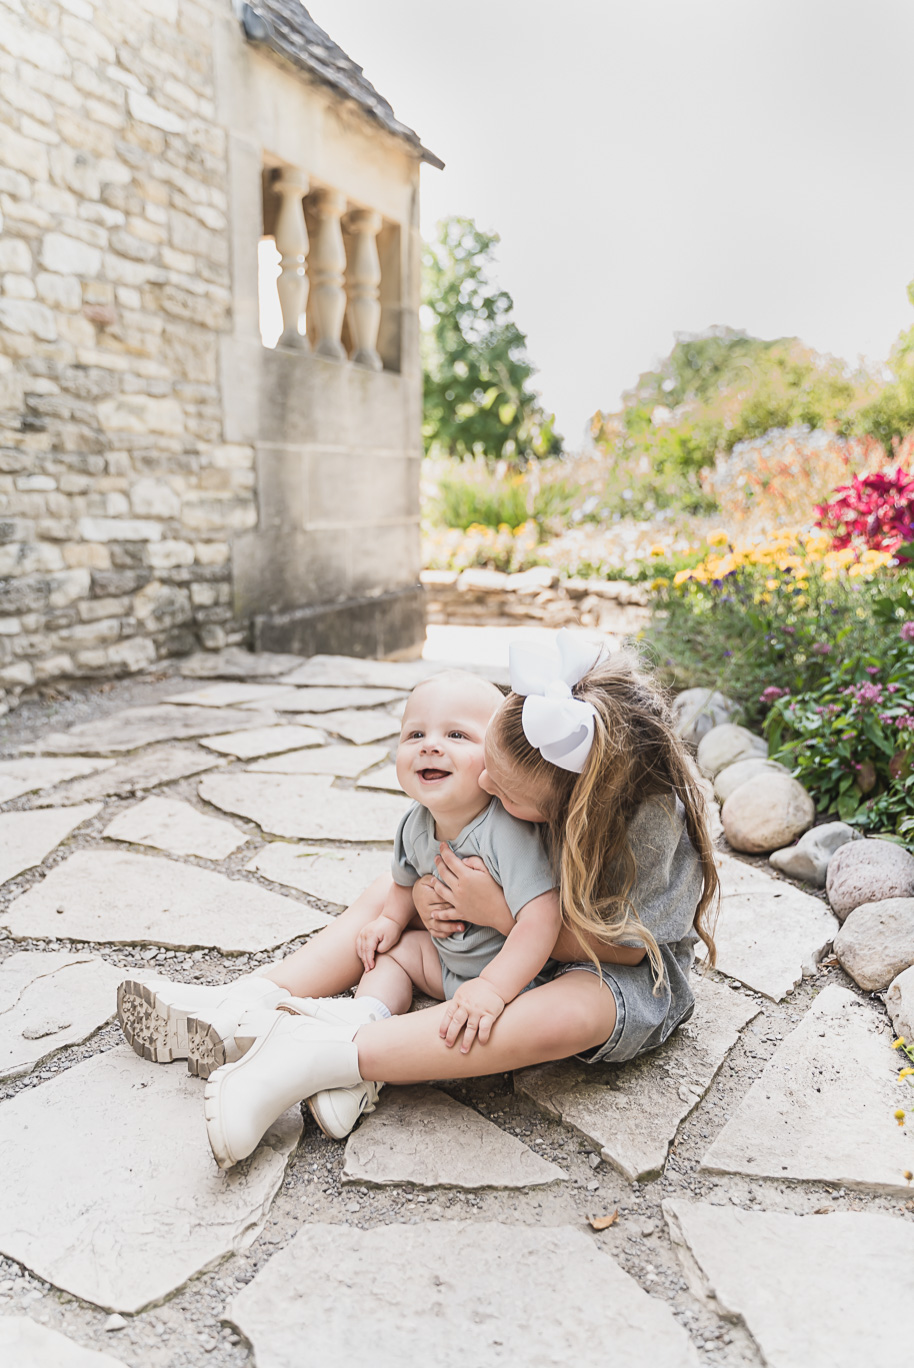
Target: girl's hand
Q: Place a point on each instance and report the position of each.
(374, 938)
(434, 913)
(472, 892)
(473, 1009)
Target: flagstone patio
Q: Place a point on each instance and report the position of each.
(739, 1198)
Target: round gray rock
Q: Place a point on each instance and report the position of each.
(730, 779)
(766, 814)
(724, 745)
(876, 943)
(899, 1001)
(810, 857)
(868, 871)
(698, 710)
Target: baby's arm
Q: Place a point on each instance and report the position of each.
(384, 932)
(477, 1005)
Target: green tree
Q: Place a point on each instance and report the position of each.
(477, 398)
(890, 415)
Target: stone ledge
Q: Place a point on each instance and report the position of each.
(388, 624)
(490, 597)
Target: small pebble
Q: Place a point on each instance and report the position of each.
(115, 1322)
(594, 1161)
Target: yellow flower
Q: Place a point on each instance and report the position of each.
(681, 577)
(504, 527)
(899, 1116)
(661, 583)
(906, 1073)
(771, 584)
(718, 538)
(658, 550)
(897, 1044)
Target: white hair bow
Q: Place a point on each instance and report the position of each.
(559, 725)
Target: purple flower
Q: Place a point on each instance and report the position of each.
(790, 631)
(872, 670)
(907, 630)
(822, 648)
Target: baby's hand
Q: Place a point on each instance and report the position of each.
(473, 1009)
(376, 937)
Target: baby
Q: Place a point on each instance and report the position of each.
(439, 762)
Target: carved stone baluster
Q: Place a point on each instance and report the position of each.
(328, 262)
(364, 279)
(291, 237)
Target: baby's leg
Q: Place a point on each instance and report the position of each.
(413, 961)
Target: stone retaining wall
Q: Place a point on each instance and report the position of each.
(488, 598)
(118, 497)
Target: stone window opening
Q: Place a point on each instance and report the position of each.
(328, 274)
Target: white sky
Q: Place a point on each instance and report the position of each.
(658, 166)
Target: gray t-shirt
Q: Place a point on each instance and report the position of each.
(511, 851)
(668, 881)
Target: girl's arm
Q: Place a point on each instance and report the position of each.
(472, 892)
(478, 1004)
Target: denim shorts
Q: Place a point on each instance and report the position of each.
(644, 1019)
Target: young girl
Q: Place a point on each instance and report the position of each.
(588, 750)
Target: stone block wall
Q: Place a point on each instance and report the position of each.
(118, 496)
(135, 396)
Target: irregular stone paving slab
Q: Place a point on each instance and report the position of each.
(26, 1344)
(334, 671)
(305, 805)
(422, 1136)
(472, 1293)
(135, 773)
(385, 779)
(359, 727)
(779, 1274)
(131, 1205)
(332, 700)
(768, 934)
(176, 827)
(235, 663)
(229, 695)
(114, 897)
(264, 741)
(26, 838)
(334, 876)
(49, 1001)
(346, 762)
(25, 776)
(135, 727)
(632, 1111)
(822, 1109)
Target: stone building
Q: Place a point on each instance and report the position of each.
(166, 479)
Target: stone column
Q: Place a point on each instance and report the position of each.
(364, 279)
(291, 237)
(328, 262)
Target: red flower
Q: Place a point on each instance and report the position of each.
(876, 509)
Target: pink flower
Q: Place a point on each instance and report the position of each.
(907, 630)
(872, 670)
(772, 694)
(893, 688)
(822, 648)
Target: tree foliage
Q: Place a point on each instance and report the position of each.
(477, 398)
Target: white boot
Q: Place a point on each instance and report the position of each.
(164, 1020)
(296, 1057)
(336, 1110)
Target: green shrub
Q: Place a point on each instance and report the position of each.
(850, 741)
(491, 498)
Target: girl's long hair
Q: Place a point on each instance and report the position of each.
(636, 754)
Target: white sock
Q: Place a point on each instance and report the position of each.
(374, 1005)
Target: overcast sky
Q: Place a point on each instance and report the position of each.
(658, 166)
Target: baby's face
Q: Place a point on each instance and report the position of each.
(441, 754)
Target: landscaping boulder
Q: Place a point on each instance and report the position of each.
(876, 943)
(810, 857)
(868, 871)
(698, 710)
(724, 745)
(767, 813)
(730, 779)
(899, 1001)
